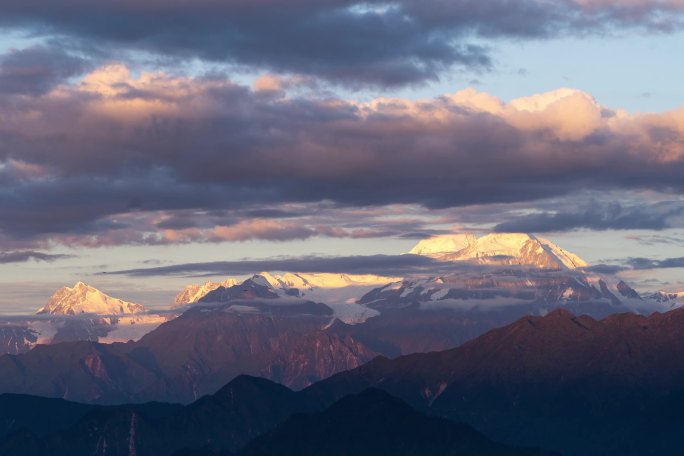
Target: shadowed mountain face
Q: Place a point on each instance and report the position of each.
(190, 356)
(16, 338)
(373, 423)
(227, 420)
(575, 384)
(290, 424)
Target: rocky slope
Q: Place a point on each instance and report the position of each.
(193, 293)
(192, 355)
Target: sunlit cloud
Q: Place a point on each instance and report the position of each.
(118, 158)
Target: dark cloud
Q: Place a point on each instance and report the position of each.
(631, 264)
(385, 43)
(37, 69)
(597, 216)
(658, 239)
(385, 265)
(606, 268)
(28, 255)
(648, 263)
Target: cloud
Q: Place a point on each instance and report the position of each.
(657, 239)
(27, 255)
(114, 158)
(611, 216)
(647, 263)
(384, 265)
(636, 264)
(36, 70)
(609, 269)
(388, 43)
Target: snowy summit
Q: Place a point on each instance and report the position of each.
(499, 248)
(84, 299)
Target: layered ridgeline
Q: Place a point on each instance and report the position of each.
(271, 325)
(248, 417)
(77, 313)
(571, 384)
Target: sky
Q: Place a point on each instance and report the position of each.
(148, 134)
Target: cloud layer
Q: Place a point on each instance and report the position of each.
(28, 255)
(382, 265)
(381, 43)
(597, 216)
(115, 159)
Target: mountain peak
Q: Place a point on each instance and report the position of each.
(80, 285)
(499, 248)
(192, 293)
(447, 243)
(672, 299)
(84, 299)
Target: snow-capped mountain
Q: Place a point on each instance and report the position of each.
(534, 291)
(551, 277)
(499, 249)
(670, 300)
(78, 313)
(84, 299)
(193, 293)
(329, 288)
(289, 291)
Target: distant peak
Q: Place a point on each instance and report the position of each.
(499, 248)
(443, 243)
(84, 299)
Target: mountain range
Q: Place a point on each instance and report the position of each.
(249, 416)
(266, 326)
(567, 383)
(571, 384)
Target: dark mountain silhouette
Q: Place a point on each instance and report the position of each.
(227, 420)
(575, 384)
(373, 423)
(290, 423)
